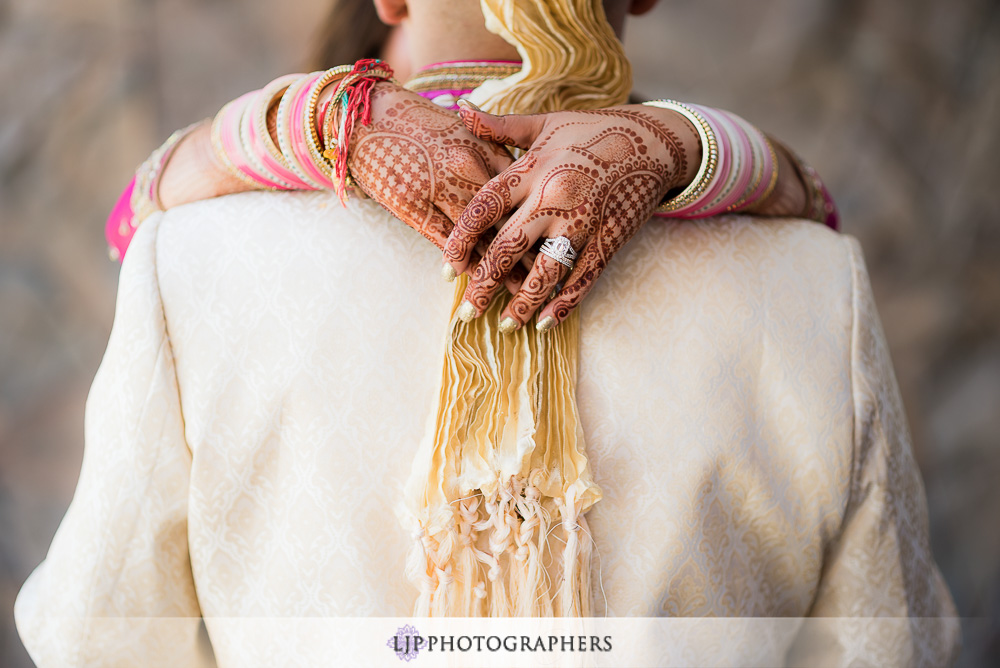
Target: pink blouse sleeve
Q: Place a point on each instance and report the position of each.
(119, 230)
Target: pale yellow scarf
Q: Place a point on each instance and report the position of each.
(501, 481)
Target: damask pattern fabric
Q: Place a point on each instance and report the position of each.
(261, 389)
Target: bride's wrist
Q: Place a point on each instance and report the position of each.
(683, 149)
(194, 172)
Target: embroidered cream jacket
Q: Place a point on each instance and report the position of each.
(271, 368)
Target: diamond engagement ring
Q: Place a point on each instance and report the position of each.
(560, 250)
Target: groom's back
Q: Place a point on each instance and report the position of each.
(739, 409)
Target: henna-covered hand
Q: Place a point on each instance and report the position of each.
(594, 177)
(420, 162)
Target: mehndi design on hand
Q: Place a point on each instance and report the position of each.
(420, 162)
(594, 177)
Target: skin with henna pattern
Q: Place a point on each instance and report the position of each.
(424, 166)
(594, 177)
(420, 162)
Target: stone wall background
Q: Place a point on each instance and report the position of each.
(896, 102)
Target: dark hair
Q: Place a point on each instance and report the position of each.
(351, 31)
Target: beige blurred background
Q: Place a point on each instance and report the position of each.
(896, 102)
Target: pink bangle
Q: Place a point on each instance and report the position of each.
(736, 166)
(223, 143)
(769, 177)
(709, 157)
(745, 168)
(230, 135)
(259, 141)
(256, 156)
(284, 132)
(717, 183)
(763, 173)
(748, 163)
(298, 144)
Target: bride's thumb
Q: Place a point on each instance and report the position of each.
(509, 130)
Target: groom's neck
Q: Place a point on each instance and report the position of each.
(441, 32)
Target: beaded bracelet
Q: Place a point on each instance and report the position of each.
(820, 205)
(709, 155)
(142, 197)
(145, 198)
(302, 158)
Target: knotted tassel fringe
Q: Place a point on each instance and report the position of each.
(501, 482)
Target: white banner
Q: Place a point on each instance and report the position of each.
(616, 641)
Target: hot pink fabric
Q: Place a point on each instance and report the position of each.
(118, 230)
(472, 62)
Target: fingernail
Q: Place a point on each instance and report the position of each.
(448, 273)
(466, 311)
(546, 323)
(462, 102)
(507, 325)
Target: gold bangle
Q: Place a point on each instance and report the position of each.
(312, 136)
(709, 155)
(284, 134)
(330, 142)
(329, 134)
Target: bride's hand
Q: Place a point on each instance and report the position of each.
(420, 162)
(593, 177)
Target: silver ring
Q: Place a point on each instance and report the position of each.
(560, 250)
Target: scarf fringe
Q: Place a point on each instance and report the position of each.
(501, 481)
(511, 577)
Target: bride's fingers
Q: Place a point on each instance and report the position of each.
(510, 130)
(588, 268)
(494, 201)
(502, 256)
(516, 276)
(468, 169)
(434, 225)
(520, 271)
(538, 286)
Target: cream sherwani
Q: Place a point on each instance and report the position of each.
(272, 365)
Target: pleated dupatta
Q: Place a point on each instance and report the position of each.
(496, 498)
(501, 481)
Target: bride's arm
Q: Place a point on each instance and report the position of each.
(426, 186)
(192, 170)
(195, 172)
(590, 179)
